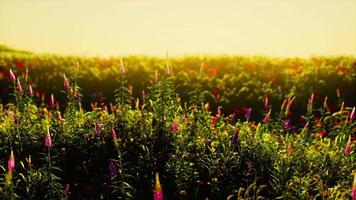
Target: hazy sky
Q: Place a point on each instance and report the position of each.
(103, 27)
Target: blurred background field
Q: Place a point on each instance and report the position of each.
(232, 82)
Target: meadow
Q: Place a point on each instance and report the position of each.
(194, 127)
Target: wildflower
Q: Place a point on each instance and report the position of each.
(29, 161)
(326, 103)
(283, 104)
(18, 87)
(97, 128)
(51, 101)
(338, 93)
(288, 125)
(235, 137)
(213, 121)
(48, 140)
(247, 112)
(310, 103)
(158, 193)
(289, 148)
(342, 107)
(267, 117)
(266, 104)
(66, 189)
(353, 192)
(112, 169)
(352, 114)
(168, 69)
(30, 91)
(113, 136)
(174, 127)
(348, 147)
(122, 67)
(155, 77)
(322, 133)
(11, 162)
(12, 76)
(65, 83)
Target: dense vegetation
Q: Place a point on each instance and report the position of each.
(286, 140)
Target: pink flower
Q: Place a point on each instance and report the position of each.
(12, 76)
(158, 193)
(267, 117)
(66, 83)
(348, 147)
(113, 136)
(266, 104)
(353, 192)
(48, 140)
(289, 148)
(11, 161)
(18, 87)
(310, 103)
(352, 114)
(51, 101)
(174, 127)
(30, 91)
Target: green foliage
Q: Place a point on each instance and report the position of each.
(114, 153)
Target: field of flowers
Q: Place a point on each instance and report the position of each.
(231, 128)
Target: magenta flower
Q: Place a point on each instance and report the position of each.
(51, 101)
(11, 162)
(247, 112)
(348, 147)
(18, 87)
(158, 192)
(288, 126)
(112, 169)
(352, 114)
(97, 128)
(12, 76)
(65, 83)
(48, 140)
(30, 91)
(267, 117)
(266, 104)
(353, 192)
(174, 127)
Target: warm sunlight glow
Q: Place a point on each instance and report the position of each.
(105, 28)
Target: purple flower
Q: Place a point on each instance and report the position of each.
(234, 137)
(112, 168)
(288, 126)
(97, 128)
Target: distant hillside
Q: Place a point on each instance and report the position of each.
(4, 48)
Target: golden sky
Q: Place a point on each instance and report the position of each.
(121, 27)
